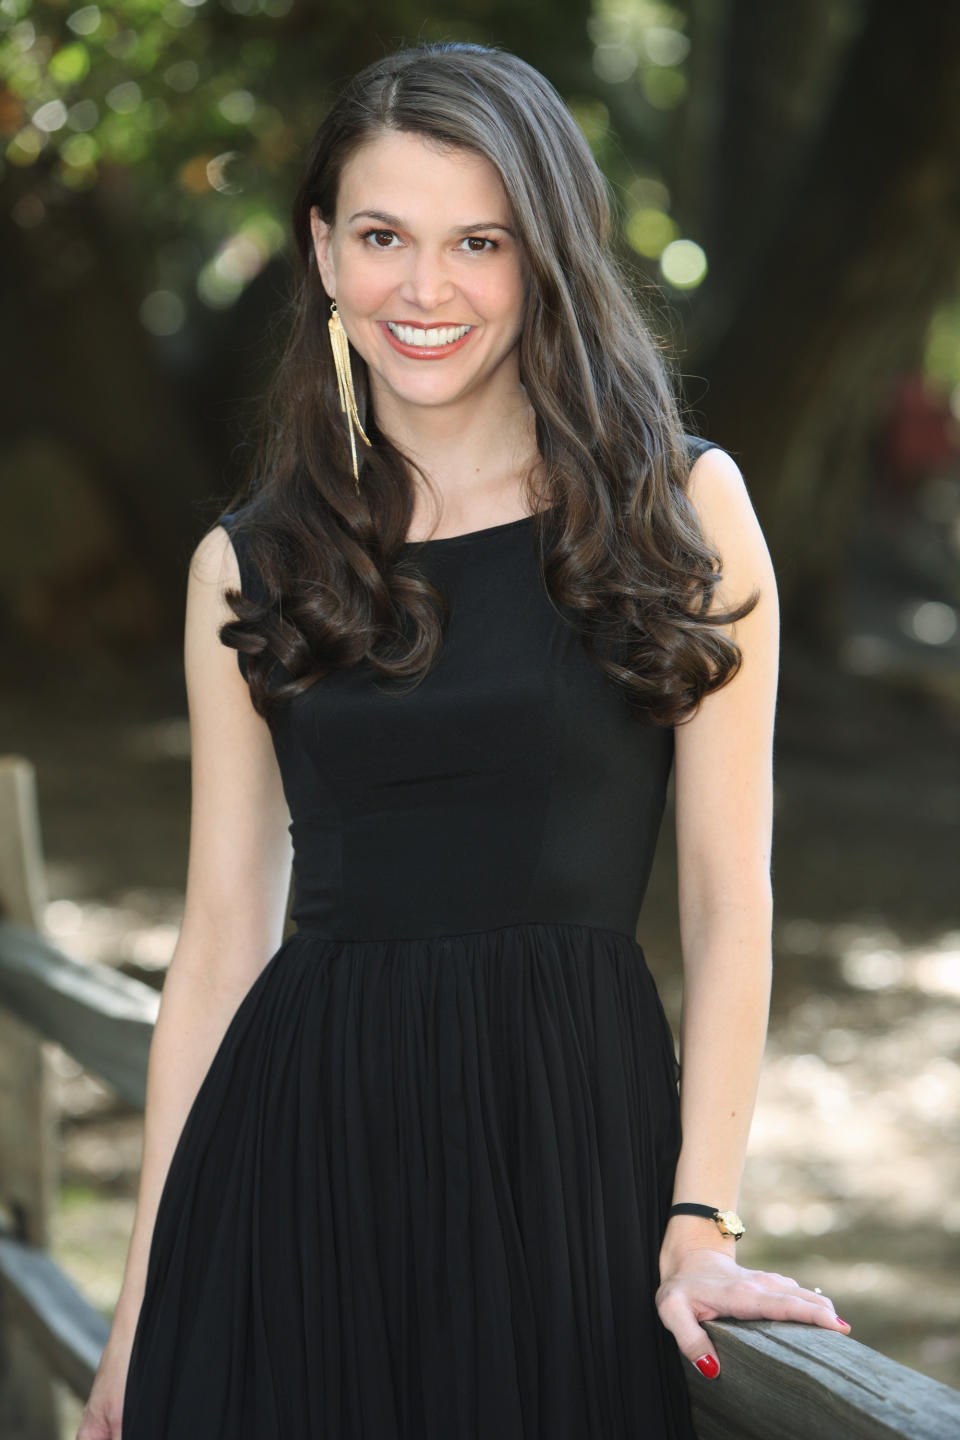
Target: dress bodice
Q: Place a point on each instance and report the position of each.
(515, 783)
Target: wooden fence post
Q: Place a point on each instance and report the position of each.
(29, 1172)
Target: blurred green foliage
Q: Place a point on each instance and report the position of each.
(144, 96)
(196, 112)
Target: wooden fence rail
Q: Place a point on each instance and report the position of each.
(778, 1381)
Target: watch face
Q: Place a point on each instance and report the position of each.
(730, 1222)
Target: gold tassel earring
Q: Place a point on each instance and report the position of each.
(348, 400)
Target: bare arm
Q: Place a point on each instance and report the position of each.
(238, 879)
(724, 816)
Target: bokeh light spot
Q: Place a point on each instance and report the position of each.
(649, 232)
(25, 146)
(238, 107)
(85, 20)
(182, 76)
(84, 115)
(614, 63)
(683, 264)
(218, 176)
(664, 45)
(124, 98)
(162, 312)
(50, 117)
(930, 621)
(69, 65)
(80, 151)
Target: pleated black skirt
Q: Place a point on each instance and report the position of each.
(420, 1196)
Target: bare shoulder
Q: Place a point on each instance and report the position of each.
(718, 492)
(214, 569)
(214, 560)
(240, 856)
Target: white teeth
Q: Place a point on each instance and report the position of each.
(427, 339)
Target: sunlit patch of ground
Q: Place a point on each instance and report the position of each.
(853, 1179)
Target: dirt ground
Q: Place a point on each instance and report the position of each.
(853, 1174)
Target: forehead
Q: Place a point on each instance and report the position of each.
(411, 174)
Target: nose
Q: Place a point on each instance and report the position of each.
(426, 283)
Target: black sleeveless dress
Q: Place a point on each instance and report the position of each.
(421, 1190)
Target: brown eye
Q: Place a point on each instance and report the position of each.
(481, 242)
(376, 238)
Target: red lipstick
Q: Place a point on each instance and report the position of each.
(424, 352)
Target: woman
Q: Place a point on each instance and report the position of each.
(410, 1171)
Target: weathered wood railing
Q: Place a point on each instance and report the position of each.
(777, 1382)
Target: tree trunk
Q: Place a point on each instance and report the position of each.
(839, 303)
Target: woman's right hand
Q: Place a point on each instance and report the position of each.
(103, 1411)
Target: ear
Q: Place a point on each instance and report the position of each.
(322, 250)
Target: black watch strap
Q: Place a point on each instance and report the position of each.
(728, 1221)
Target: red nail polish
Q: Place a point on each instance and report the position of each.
(842, 1322)
(708, 1366)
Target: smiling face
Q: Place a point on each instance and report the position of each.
(423, 250)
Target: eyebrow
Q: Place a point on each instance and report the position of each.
(457, 229)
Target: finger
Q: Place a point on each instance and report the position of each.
(816, 1298)
(693, 1342)
(771, 1280)
(755, 1303)
(791, 1286)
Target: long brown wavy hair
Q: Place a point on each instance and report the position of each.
(623, 556)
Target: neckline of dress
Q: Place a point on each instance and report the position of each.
(466, 535)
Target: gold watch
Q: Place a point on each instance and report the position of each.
(728, 1221)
